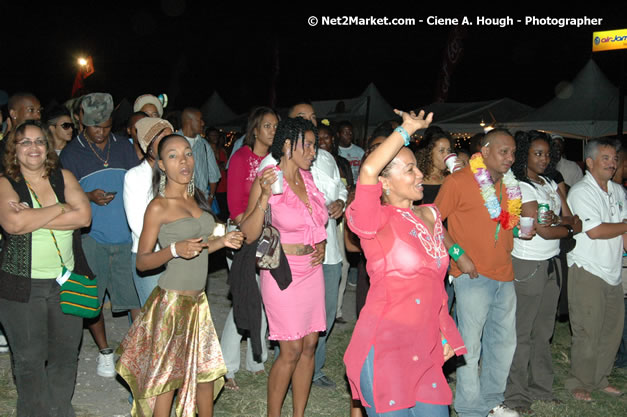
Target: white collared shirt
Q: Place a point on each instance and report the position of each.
(601, 257)
(326, 176)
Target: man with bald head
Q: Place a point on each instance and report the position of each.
(22, 107)
(484, 287)
(206, 171)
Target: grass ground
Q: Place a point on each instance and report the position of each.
(251, 399)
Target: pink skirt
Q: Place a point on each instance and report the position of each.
(299, 309)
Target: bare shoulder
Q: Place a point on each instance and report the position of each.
(68, 176)
(157, 208)
(425, 213)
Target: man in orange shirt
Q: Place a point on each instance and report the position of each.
(482, 265)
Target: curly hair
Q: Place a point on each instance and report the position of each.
(524, 139)
(254, 122)
(294, 130)
(12, 167)
(424, 158)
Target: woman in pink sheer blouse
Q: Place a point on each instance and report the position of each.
(404, 332)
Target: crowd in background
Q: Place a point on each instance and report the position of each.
(138, 208)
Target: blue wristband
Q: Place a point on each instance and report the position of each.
(444, 341)
(404, 134)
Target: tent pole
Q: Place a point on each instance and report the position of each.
(621, 96)
(365, 138)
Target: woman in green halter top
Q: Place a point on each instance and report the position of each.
(173, 346)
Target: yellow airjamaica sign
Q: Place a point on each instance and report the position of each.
(609, 40)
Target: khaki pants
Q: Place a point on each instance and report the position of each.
(531, 374)
(596, 318)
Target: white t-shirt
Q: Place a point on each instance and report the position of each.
(353, 154)
(538, 248)
(601, 257)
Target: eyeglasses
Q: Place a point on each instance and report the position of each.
(28, 143)
(65, 125)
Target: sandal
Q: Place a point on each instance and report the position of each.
(581, 394)
(231, 384)
(613, 391)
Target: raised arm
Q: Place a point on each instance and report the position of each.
(380, 157)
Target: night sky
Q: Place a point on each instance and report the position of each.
(190, 50)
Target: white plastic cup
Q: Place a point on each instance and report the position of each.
(277, 186)
(451, 160)
(526, 226)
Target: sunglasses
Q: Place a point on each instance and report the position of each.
(66, 125)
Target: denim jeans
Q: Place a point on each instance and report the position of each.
(144, 284)
(112, 266)
(44, 343)
(486, 315)
(332, 276)
(366, 379)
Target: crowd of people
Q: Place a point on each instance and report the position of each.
(469, 261)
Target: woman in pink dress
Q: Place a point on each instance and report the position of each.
(404, 332)
(296, 314)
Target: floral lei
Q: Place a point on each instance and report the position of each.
(508, 219)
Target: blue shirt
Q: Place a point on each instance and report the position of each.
(108, 224)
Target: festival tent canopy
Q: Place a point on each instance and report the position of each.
(369, 108)
(588, 108)
(469, 117)
(216, 112)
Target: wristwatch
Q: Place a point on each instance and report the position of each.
(571, 232)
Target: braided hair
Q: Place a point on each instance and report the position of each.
(524, 139)
(293, 129)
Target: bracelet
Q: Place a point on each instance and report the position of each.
(173, 250)
(455, 251)
(259, 205)
(516, 231)
(404, 134)
(62, 208)
(444, 341)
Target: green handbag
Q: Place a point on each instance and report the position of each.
(79, 294)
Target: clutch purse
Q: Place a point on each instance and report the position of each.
(269, 244)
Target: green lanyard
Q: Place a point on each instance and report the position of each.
(54, 239)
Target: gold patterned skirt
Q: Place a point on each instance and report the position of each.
(172, 345)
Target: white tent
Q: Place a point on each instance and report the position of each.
(589, 110)
(216, 112)
(369, 108)
(468, 117)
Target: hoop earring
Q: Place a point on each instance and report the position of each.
(289, 154)
(190, 187)
(162, 181)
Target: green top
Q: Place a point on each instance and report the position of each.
(45, 259)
